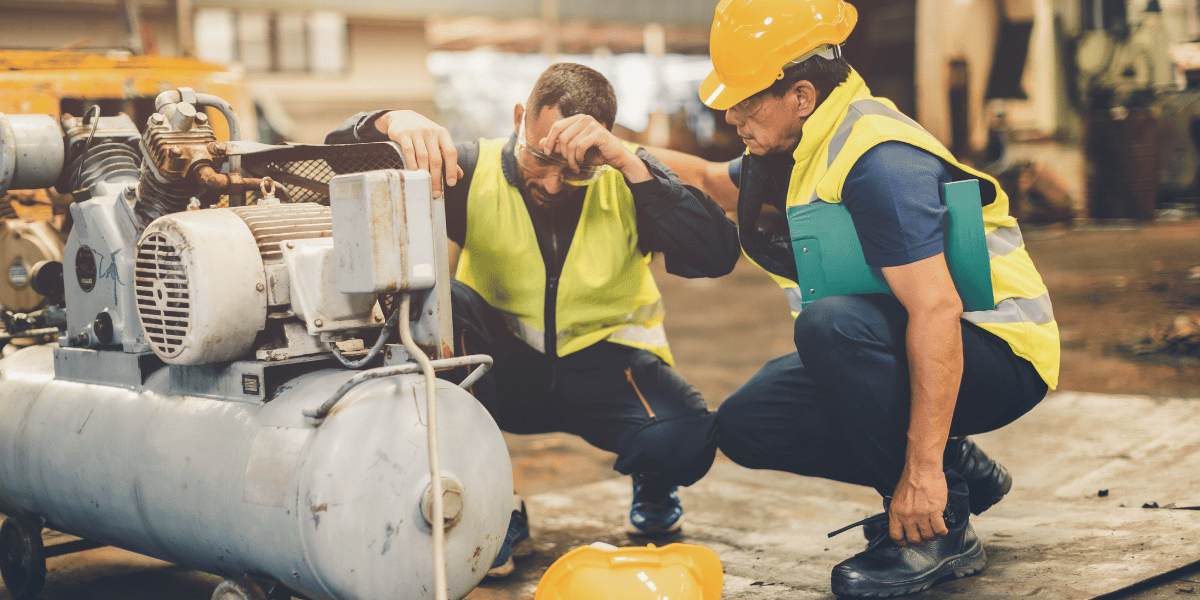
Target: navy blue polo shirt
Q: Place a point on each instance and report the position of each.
(894, 196)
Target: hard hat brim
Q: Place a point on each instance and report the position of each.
(717, 95)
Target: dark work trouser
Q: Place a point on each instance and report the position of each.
(620, 399)
(838, 408)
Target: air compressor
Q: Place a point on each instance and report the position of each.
(222, 394)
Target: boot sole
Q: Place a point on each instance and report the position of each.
(963, 565)
(501, 571)
(522, 549)
(631, 530)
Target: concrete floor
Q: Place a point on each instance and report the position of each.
(1054, 536)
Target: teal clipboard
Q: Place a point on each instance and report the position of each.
(830, 261)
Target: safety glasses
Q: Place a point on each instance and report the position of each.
(749, 107)
(539, 164)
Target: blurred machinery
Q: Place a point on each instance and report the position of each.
(1122, 68)
(1179, 131)
(205, 403)
(34, 223)
(1122, 62)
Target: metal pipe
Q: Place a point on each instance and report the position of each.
(477, 373)
(173, 97)
(484, 361)
(437, 521)
(210, 179)
(235, 126)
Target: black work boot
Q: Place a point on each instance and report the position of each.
(885, 569)
(987, 480)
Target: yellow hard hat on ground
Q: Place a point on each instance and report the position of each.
(753, 40)
(603, 572)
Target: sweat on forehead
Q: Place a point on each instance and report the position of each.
(574, 89)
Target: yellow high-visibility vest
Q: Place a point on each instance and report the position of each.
(849, 123)
(606, 290)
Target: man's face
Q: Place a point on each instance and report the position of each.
(543, 176)
(769, 124)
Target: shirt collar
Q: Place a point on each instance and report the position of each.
(508, 161)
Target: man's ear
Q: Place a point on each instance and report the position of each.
(518, 112)
(806, 97)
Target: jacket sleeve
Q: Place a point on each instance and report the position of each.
(683, 223)
(358, 129)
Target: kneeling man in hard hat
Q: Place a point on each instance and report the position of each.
(920, 320)
(557, 225)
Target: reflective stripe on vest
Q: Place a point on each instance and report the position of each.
(1016, 310)
(794, 299)
(1002, 241)
(861, 108)
(632, 328)
(849, 123)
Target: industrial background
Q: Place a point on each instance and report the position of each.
(1088, 111)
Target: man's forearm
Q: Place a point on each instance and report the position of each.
(685, 225)
(693, 235)
(935, 364)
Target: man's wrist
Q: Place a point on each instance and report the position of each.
(633, 168)
(923, 455)
(383, 121)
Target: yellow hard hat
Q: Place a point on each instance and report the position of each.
(753, 40)
(601, 572)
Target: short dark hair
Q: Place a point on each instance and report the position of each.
(825, 75)
(574, 89)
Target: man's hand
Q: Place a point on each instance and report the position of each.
(425, 144)
(917, 504)
(573, 137)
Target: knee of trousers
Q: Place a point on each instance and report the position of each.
(740, 433)
(678, 450)
(834, 321)
(820, 321)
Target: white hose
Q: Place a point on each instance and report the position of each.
(437, 519)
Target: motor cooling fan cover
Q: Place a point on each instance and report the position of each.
(200, 287)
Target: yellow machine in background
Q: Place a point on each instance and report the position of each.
(69, 84)
(57, 82)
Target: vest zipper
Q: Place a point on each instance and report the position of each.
(552, 274)
(629, 376)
